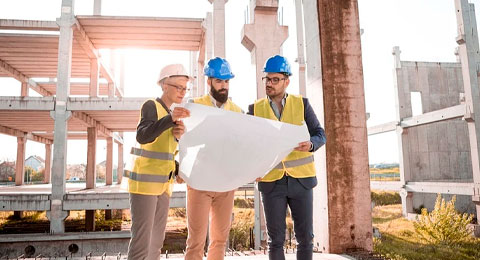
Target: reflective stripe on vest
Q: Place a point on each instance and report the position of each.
(295, 163)
(152, 154)
(149, 177)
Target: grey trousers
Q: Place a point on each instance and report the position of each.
(288, 192)
(149, 218)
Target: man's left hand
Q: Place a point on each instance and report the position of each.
(304, 146)
(178, 129)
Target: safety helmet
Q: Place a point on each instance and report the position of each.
(277, 64)
(218, 68)
(173, 70)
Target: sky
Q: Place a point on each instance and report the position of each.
(425, 30)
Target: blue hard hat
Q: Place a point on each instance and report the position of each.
(277, 64)
(218, 68)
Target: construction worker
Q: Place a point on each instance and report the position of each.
(151, 179)
(290, 183)
(201, 203)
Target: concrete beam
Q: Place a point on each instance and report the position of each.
(24, 202)
(29, 136)
(27, 103)
(457, 111)
(24, 90)
(20, 163)
(454, 188)
(102, 104)
(383, 128)
(90, 122)
(11, 24)
(14, 73)
(94, 74)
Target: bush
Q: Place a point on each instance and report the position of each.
(240, 230)
(243, 203)
(444, 225)
(386, 198)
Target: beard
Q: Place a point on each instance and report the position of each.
(220, 95)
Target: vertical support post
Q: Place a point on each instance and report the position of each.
(94, 72)
(314, 91)
(57, 215)
(349, 213)
(120, 161)
(91, 174)
(300, 48)
(20, 164)
(91, 157)
(24, 91)
(97, 7)
(402, 111)
(219, 27)
(193, 72)
(469, 55)
(209, 36)
(109, 162)
(48, 163)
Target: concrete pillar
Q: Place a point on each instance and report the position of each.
(111, 89)
(97, 7)
(94, 74)
(209, 36)
(259, 225)
(219, 27)
(261, 42)
(193, 71)
(300, 48)
(91, 157)
(120, 162)
(20, 163)
(469, 55)
(402, 111)
(24, 91)
(348, 180)
(57, 215)
(48, 163)
(91, 177)
(314, 90)
(200, 79)
(109, 162)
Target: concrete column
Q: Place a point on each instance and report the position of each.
(57, 215)
(193, 72)
(200, 79)
(111, 89)
(314, 90)
(24, 91)
(402, 111)
(469, 55)
(209, 36)
(348, 180)
(219, 27)
(259, 225)
(91, 177)
(300, 48)
(260, 42)
(97, 7)
(109, 162)
(94, 74)
(120, 161)
(91, 158)
(48, 163)
(20, 163)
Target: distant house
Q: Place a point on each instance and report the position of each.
(35, 162)
(7, 171)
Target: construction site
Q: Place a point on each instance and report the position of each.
(70, 91)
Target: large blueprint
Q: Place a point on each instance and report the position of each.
(222, 150)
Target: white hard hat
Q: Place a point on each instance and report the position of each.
(173, 70)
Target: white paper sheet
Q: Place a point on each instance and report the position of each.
(222, 150)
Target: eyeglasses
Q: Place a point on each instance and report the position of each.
(273, 80)
(179, 88)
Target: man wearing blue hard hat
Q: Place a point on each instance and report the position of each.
(290, 183)
(201, 203)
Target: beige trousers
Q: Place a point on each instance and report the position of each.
(201, 204)
(149, 218)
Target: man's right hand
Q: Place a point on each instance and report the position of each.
(179, 113)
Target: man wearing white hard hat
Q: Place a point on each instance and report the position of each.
(151, 180)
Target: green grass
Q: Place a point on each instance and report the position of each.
(399, 241)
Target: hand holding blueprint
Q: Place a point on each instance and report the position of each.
(223, 150)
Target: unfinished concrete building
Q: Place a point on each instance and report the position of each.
(342, 219)
(439, 148)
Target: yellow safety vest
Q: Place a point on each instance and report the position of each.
(297, 164)
(207, 101)
(153, 163)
